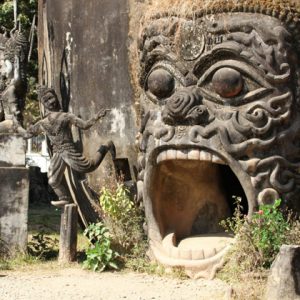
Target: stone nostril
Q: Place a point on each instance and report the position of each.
(185, 107)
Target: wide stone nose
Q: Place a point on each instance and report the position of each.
(185, 107)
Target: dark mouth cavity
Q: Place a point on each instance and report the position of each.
(191, 197)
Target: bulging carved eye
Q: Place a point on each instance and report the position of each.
(227, 82)
(161, 83)
(231, 82)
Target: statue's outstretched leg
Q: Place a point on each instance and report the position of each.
(102, 151)
(55, 179)
(77, 162)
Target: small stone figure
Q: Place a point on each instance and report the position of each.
(57, 126)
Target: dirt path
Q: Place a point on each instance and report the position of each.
(75, 283)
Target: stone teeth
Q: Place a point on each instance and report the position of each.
(194, 154)
(169, 247)
(168, 244)
(220, 248)
(217, 160)
(171, 154)
(185, 254)
(209, 252)
(181, 154)
(205, 156)
(197, 254)
(174, 252)
(159, 158)
(169, 240)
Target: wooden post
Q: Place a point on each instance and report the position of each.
(68, 234)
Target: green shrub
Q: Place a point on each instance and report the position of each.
(116, 203)
(4, 251)
(42, 246)
(100, 255)
(258, 239)
(122, 217)
(269, 230)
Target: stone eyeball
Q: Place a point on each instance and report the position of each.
(227, 82)
(161, 83)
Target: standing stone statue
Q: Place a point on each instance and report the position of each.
(57, 126)
(13, 82)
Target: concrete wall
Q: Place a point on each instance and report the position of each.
(12, 149)
(83, 53)
(14, 191)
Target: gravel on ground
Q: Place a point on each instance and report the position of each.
(75, 283)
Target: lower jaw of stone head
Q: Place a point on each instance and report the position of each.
(190, 260)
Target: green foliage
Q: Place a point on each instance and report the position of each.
(269, 231)
(116, 204)
(26, 11)
(32, 111)
(7, 14)
(4, 264)
(258, 239)
(123, 218)
(235, 223)
(137, 259)
(42, 246)
(4, 251)
(100, 254)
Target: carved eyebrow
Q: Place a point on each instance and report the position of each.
(225, 50)
(160, 55)
(232, 50)
(174, 70)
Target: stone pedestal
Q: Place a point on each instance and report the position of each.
(284, 279)
(14, 191)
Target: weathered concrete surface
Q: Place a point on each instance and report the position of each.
(14, 189)
(12, 150)
(284, 280)
(83, 54)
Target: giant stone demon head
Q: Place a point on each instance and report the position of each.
(220, 118)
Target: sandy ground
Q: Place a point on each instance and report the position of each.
(75, 283)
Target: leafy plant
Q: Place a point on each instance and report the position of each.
(234, 224)
(257, 243)
(42, 246)
(100, 254)
(269, 228)
(123, 218)
(259, 239)
(3, 248)
(116, 203)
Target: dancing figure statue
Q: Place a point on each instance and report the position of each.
(57, 124)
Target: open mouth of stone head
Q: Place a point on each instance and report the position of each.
(191, 191)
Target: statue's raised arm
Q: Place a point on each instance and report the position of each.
(82, 124)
